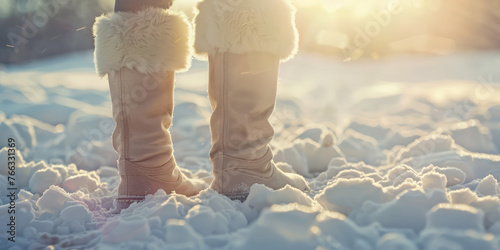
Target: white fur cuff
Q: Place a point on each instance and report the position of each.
(151, 40)
(242, 26)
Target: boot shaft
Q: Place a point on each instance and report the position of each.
(242, 92)
(142, 109)
(140, 51)
(244, 42)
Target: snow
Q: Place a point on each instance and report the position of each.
(455, 217)
(346, 194)
(400, 153)
(488, 186)
(42, 179)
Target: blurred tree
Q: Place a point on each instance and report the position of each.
(32, 29)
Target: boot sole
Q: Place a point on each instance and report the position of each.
(240, 197)
(125, 202)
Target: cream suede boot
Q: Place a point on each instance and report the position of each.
(244, 42)
(140, 52)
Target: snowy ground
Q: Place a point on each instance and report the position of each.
(401, 153)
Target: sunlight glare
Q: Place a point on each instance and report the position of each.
(362, 9)
(305, 3)
(331, 6)
(332, 38)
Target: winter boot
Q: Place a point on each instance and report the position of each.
(244, 42)
(140, 51)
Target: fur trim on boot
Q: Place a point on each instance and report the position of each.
(150, 40)
(242, 26)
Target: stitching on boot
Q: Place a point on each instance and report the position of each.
(253, 163)
(178, 180)
(225, 122)
(134, 169)
(124, 125)
(273, 171)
